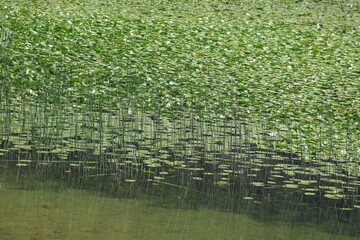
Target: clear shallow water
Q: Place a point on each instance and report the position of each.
(36, 208)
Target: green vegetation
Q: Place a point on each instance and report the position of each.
(291, 64)
(187, 88)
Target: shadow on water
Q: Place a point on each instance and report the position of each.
(138, 176)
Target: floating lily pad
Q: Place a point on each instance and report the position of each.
(22, 164)
(334, 196)
(258, 184)
(222, 183)
(291, 186)
(130, 180)
(248, 198)
(75, 164)
(197, 178)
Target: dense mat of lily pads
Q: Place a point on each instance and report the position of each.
(291, 64)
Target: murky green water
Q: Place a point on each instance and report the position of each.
(34, 206)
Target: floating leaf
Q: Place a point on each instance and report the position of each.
(291, 186)
(258, 184)
(197, 178)
(22, 164)
(248, 198)
(130, 180)
(334, 196)
(345, 209)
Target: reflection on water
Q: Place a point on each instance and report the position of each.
(33, 207)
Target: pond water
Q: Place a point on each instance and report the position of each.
(41, 205)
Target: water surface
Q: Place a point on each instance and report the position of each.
(36, 208)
